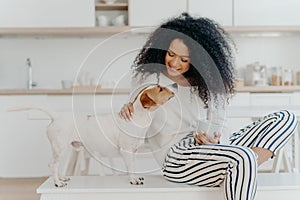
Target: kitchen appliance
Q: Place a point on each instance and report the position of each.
(256, 75)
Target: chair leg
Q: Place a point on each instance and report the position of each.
(87, 160)
(277, 161)
(295, 150)
(287, 162)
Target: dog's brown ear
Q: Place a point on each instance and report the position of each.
(146, 101)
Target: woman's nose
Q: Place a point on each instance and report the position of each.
(174, 62)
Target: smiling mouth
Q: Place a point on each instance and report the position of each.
(173, 69)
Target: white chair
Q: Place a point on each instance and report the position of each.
(291, 163)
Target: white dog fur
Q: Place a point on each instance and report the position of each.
(103, 135)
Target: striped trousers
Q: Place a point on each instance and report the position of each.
(233, 165)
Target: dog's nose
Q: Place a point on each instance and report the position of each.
(173, 87)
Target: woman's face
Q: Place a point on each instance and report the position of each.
(177, 58)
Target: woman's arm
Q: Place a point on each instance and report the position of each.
(216, 116)
(137, 84)
(126, 111)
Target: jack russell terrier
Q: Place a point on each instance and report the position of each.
(106, 134)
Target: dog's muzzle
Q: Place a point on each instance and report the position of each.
(173, 87)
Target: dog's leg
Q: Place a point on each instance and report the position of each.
(129, 159)
(82, 164)
(59, 180)
(54, 167)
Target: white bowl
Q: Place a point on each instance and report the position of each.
(108, 1)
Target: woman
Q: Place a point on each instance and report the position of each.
(196, 54)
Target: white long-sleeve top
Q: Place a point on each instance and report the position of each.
(176, 118)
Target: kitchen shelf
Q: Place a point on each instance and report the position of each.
(64, 91)
(115, 6)
(98, 31)
(262, 29)
(251, 89)
(67, 32)
(269, 89)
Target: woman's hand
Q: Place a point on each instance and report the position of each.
(126, 111)
(204, 138)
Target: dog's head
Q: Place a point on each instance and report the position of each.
(155, 96)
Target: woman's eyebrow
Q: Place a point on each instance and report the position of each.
(177, 54)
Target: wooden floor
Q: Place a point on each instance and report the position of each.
(20, 188)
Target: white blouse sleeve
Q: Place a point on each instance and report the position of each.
(216, 114)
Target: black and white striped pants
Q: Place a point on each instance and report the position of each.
(235, 165)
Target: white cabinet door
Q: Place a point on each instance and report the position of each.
(24, 147)
(154, 12)
(266, 12)
(272, 100)
(218, 10)
(25, 150)
(47, 13)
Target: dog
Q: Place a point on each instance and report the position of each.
(104, 135)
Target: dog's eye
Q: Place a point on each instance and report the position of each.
(160, 89)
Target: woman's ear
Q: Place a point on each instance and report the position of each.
(146, 101)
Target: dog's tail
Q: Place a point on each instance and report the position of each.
(51, 114)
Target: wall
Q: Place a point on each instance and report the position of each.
(56, 59)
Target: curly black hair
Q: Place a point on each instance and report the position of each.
(211, 69)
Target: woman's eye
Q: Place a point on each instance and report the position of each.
(184, 60)
(170, 54)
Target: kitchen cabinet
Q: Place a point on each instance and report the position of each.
(24, 147)
(114, 6)
(77, 18)
(266, 13)
(245, 106)
(47, 13)
(219, 10)
(154, 12)
(272, 100)
(110, 12)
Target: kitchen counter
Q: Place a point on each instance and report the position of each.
(269, 89)
(63, 91)
(251, 89)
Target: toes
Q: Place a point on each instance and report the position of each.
(65, 179)
(60, 184)
(137, 181)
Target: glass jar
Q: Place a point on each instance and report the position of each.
(288, 77)
(298, 78)
(276, 76)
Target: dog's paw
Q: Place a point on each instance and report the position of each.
(60, 184)
(137, 181)
(64, 179)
